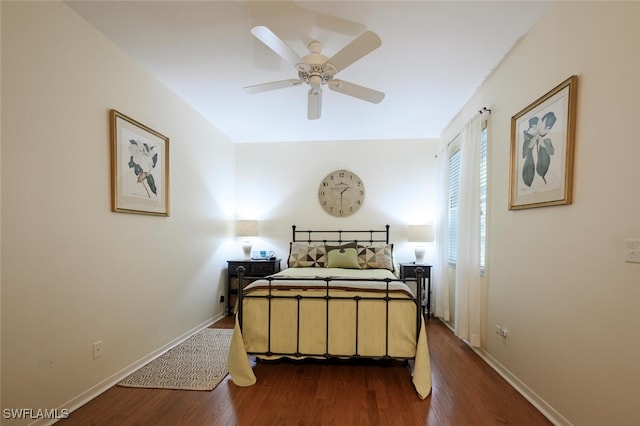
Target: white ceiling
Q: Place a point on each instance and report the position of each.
(434, 55)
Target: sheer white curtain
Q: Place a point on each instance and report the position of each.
(441, 264)
(467, 284)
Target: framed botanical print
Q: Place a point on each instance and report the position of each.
(542, 149)
(139, 167)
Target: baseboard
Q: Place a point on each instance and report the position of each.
(541, 405)
(112, 380)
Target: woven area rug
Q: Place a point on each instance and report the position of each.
(198, 363)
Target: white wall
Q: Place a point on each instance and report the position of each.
(73, 272)
(278, 184)
(557, 279)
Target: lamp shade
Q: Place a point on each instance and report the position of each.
(246, 228)
(420, 233)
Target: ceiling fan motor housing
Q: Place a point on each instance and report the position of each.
(316, 74)
(315, 70)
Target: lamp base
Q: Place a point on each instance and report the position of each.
(419, 251)
(246, 249)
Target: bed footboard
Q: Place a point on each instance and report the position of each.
(328, 297)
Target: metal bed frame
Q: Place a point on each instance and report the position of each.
(340, 237)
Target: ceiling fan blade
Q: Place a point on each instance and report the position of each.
(361, 46)
(265, 87)
(266, 36)
(314, 103)
(356, 91)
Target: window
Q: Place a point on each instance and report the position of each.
(454, 191)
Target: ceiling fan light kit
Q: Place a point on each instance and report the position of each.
(317, 70)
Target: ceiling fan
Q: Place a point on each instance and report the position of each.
(317, 70)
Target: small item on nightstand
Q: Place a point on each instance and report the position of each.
(263, 254)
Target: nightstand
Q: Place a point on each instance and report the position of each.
(254, 268)
(408, 270)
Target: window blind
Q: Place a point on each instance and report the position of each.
(454, 192)
(483, 193)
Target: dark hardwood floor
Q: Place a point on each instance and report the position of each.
(465, 391)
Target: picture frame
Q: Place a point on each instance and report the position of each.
(139, 167)
(542, 149)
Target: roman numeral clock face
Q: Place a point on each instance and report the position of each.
(341, 193)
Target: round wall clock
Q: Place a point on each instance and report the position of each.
(341, 193)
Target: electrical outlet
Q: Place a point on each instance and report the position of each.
(221, 297)
(502, 333)
(97, 349)
(632, 251)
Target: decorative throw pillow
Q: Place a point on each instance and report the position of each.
(343, 258)
(330, 247)
(305, 255)
(376, 257)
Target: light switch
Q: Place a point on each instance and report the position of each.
(632, 251)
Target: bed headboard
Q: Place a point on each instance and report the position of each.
(316, 236)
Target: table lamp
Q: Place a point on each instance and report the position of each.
(420, 234)
(247, 228)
